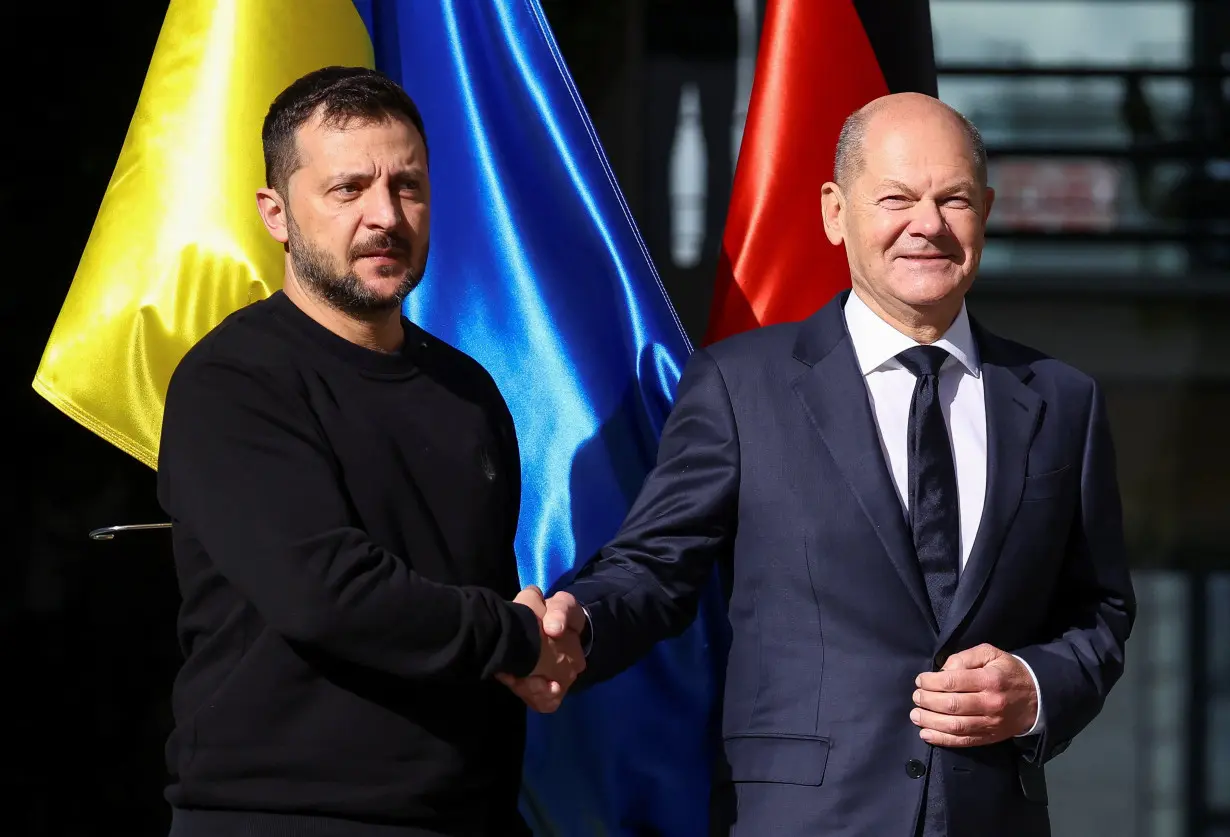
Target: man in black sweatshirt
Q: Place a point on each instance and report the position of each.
(344, 491)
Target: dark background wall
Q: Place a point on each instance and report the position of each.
(87, 627)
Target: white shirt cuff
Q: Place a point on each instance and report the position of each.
(1040, 720)
(590, 639)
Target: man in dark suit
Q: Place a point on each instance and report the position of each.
(920, 519)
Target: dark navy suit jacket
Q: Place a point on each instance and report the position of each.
(770, 466)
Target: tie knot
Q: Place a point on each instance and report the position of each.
(923, 360)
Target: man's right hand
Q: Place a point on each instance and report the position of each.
(561, 660)
(564, 616)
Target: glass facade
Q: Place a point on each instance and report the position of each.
(1108, 125)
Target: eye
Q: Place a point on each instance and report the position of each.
(347, 189)
(956, 202)
(895, 202)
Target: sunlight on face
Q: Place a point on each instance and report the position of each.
(359, 213)
(913, 219)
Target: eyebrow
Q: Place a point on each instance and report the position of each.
(410, 171)
(895, 186)
(344, 177)
(967, 186)
(898, 186)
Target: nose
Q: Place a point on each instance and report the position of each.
(382, 210)
(926, 220)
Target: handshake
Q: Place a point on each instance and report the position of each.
(561, 658)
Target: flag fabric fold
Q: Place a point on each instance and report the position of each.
(536, 270)
(177, 243)
(818, 62)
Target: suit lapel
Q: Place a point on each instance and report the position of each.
(1013, 411)
(834, 397)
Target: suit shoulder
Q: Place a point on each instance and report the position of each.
(755, 345)
(1048, 371)
(747, 361)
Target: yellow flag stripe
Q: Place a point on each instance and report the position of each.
(177, 244)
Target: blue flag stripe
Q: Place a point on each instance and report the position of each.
(537, 271)
(579, 182)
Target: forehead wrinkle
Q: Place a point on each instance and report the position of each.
(364, 160)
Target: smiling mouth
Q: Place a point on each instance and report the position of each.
(928, 261)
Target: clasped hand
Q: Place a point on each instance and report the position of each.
(981, 696)
(561, 658)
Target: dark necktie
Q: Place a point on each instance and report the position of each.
(934, 513)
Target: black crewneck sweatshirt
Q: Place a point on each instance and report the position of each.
(343, 526)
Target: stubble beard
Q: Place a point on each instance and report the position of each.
(346, 291)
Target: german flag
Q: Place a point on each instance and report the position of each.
(819, 61)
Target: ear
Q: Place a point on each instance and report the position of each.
(273, 214)
(832, 205)
(988, 199)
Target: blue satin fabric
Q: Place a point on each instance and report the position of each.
(538, 272)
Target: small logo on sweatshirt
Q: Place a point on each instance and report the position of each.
(488, 466)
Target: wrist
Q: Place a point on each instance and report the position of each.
(523, 648)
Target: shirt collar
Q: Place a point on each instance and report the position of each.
(877, 344)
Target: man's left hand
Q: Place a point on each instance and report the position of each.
(981, 696)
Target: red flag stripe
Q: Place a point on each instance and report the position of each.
(815, 66)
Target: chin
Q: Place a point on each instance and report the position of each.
(381, 286)
(923, 288)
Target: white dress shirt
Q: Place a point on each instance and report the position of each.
(890, 388)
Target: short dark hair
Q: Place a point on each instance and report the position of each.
(341, 94)
(848, 161)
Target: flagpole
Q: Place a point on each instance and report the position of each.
(107, 533)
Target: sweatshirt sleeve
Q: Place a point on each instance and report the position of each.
(244, 467)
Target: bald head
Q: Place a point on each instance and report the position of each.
(910, 205)
(898, 111)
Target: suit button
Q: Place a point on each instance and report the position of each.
(915, 769)
(940, 659)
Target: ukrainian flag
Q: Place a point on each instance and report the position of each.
(177, 245)
(536, 270)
